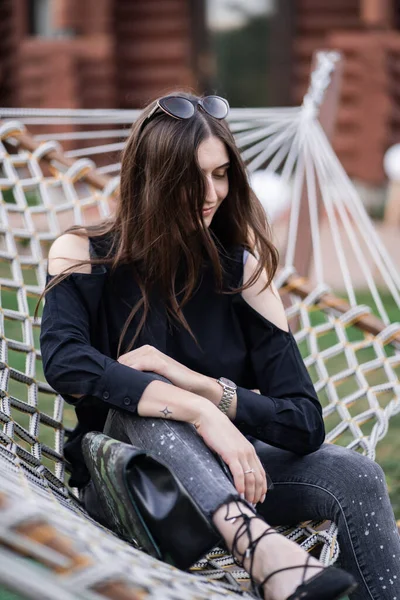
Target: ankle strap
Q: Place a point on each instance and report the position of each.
(245, 529)
(304, 566)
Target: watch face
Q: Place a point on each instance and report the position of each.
(226, 381)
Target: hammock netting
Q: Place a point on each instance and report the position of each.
(49, 546)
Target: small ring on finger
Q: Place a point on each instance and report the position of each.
(249, 471)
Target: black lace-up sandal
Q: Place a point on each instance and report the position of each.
(330, 583)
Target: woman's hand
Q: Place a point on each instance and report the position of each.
(212, 425)
(224, 438)
(148, 358)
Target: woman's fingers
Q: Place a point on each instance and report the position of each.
(238, 475)
(249, 477)
(237, 452)
(260, 480)
(264, 476)
(255, 478)
(250, 483)
(255, 485)
(143, 363)
(260, 484)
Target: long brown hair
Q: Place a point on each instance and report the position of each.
(157, 222)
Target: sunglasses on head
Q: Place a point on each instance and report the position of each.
(179, 107)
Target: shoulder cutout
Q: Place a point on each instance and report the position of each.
(268, 302)
(66, 251)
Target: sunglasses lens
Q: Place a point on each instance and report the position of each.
(215, 106)
(178, 107)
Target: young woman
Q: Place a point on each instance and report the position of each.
(166, 319)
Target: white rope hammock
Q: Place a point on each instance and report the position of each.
(355, 376)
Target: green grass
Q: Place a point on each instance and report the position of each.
(8, 595)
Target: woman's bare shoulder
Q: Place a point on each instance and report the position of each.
(67, 251)
(267, 302)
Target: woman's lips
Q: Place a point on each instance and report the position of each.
(208, 211)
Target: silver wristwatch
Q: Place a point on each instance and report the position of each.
(229, 391)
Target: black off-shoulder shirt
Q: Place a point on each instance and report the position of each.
(82, 321)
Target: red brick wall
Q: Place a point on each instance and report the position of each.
(313, 21)
(86, 17)
(66, 73)
(153, 49)
(123, 53)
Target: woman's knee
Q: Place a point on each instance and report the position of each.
(352, 470)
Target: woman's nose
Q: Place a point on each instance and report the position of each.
(212, 195)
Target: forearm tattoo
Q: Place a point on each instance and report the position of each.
(166, 412)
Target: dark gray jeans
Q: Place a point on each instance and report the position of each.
(333, 483)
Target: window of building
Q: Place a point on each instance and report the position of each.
(41, 20)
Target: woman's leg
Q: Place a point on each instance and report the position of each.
(345, 487)
(199, 471)
(183, 451)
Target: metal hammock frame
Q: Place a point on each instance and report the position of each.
(353, 356)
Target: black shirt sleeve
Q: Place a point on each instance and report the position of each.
(71, 364)
(287, 413)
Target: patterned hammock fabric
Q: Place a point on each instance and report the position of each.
(355, 372)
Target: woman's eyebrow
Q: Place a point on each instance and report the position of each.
(222, 166)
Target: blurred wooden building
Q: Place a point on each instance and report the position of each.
(92, 53)
(368, 34)
(122, 53)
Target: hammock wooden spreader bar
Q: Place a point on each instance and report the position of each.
(365, 321)
(54, 154)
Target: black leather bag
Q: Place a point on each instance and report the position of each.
(145, 504)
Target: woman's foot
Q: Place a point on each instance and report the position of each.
(283, 554)
(262, 551)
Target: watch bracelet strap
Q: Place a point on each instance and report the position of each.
(226, 401)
